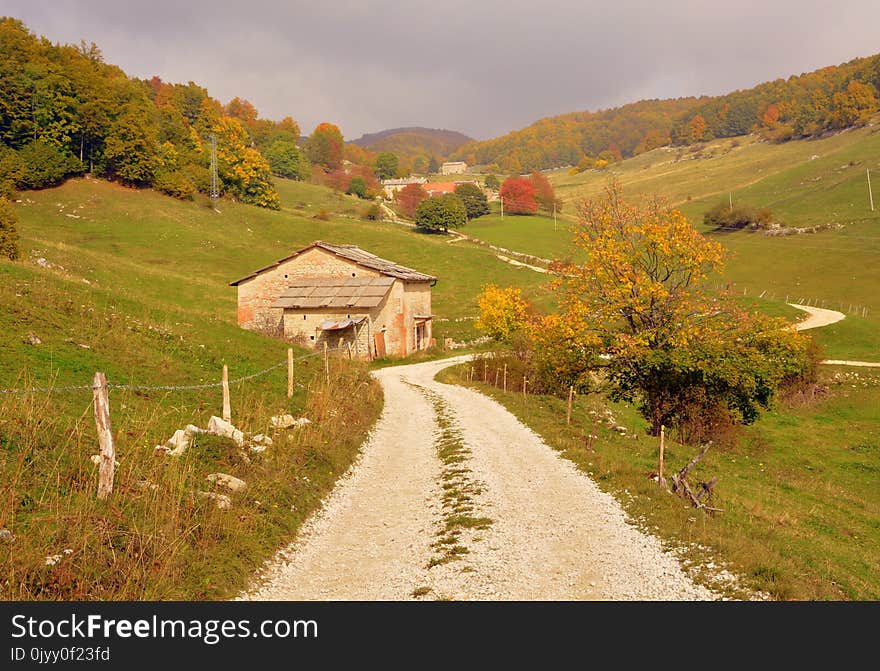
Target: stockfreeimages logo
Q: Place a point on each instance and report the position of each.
(209, 632)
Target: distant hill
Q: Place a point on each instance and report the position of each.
(807, 105)
(411, 143)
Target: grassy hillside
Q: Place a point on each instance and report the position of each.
(805, 183)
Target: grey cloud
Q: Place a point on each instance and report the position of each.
(483, 66)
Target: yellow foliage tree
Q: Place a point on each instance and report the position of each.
(503, 312)
(641, 300)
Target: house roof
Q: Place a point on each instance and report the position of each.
(332, 292)
(440, 187)
(355, 255)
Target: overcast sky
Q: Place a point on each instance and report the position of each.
(483, 67)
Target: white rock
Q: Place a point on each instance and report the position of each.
(261, 439)
(223, 501)
(193, 430)
(178, 443)
(230, 482)
(220, 427)
(282, 421)
(7, 536)
(33, 339)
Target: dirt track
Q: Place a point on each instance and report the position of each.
(554, 535)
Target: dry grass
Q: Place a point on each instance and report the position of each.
(155, 538)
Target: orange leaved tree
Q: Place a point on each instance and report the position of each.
(667, 342)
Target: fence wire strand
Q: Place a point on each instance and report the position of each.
(164, 387)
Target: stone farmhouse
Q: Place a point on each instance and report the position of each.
(453, 168)
(392, 186)
(340, 295)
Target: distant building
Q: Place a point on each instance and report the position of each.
(340, 295)
(453, 168)
(392, 186)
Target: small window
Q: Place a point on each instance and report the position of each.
(312, 337)
(354, 274)
(304, 317)
(285, 276)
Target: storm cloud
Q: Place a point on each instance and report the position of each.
(482, 67)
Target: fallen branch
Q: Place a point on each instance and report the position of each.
(681, 487)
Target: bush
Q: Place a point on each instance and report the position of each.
(175, 184)
(723, 216)
(8, 230)
(357, 187)
(372, 212)
(323, 215)
(441, 213)
(45, 165)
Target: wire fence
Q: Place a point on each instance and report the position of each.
(163, 387)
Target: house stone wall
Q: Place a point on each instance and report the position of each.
(256, 295)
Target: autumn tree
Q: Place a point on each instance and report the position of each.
(502, 312)
(386, 165)
(326, 146)
(545, 196)
(440, 213)
(640, 298)
(131, 148)
(287, 160)
(475, 201)
(409, 197)
(518, 196)
(8, 230)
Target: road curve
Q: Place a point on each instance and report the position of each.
(553, 534)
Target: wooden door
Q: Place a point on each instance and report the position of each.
(379, 337)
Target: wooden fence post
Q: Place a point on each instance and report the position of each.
(525, 384)
(326, 364)
(505, 377)
(107, 464)
(227, 409)
(289, 372)
(570, 396)
(660, 479)
(497, 373)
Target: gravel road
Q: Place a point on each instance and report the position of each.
(554, 535)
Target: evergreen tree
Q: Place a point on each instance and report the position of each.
(8, 230)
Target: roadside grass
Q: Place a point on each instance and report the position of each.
(157, 537)
(798, 488)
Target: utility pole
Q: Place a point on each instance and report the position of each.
(502, 206)
(730, 200)
(870, 192)
(215, 181)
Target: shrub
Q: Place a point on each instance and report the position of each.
(323, 215)
(372, 212)
(45, 165)
(175, 184)
(723, 216)
(357, 187)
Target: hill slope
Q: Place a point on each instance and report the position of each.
(805, 183)
(414, 142)
(828, 99)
